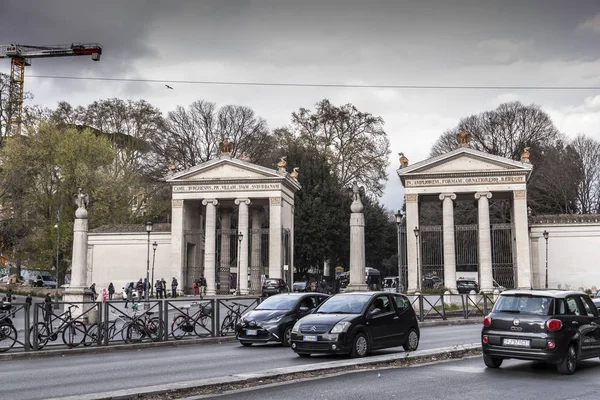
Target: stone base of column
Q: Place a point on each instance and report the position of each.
(357, 288)
(78, 295)
(211, 292)
(489, 290)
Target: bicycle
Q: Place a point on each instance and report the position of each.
(231, 318)
(143, 326)
(186, 324)
(8, 332)
(73, 331)
(111, 329)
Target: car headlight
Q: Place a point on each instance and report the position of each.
(340, 327)
(296, 327)
(273, 320)
(243, 318)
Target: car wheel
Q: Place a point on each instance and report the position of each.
(304, 354)
(286, 339)
(569, 364)
(247, 344)
(412, 341)
(360, 346)
(492, 362)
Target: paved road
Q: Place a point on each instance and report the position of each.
(91, 373)
(458, 380)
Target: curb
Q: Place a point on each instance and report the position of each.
(231, 382)
(23, 355)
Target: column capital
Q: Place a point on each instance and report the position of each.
(214, 202)
(479, 195)
(452, 196)
(240, 201)
(520, 194)
(275, 201)
(412, 198)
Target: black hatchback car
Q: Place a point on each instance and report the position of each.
(273, 319)
(356, 323)
(557, 327)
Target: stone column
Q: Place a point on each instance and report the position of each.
(486, 275)
(243, 246)
(256, 258)
(522, 239)
(357, 245)
(177, 239)
(449, 246)
(536, 280)
(412, 222)
(210, 245)
(275, 239)
(225, 264)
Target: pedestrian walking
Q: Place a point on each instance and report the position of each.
(163, 285)
(128, 294)
(104, 294)
(140, 289)
(196, 289)
(93, 292)
(202, 286)
(146, 287)
(158, 288)
(111, 290)
(174, 285)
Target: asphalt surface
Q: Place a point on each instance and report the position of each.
(93, 373)
(457, 380)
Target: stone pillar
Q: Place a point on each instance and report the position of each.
(357, 245)
(449, 246)
(522, 239)
(275, 239)
(412, 222)
(177, 240)
(210, 245)
(536, 280)
(486, 275)
(225, 264)
(243, 246)
(256, 257)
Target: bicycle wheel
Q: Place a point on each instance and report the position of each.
(181, 327)
(8, 337)
(135, 332)
(154, 329)
(74, 333)
(200, 328)
(43, 335)
(226, 325)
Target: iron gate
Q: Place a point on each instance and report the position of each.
(227, 259)
(466, 247)
(259, 258)
(502, 258)
(432, 255)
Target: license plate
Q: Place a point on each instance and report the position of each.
(309, 339)
(251, 332)
(517, 342)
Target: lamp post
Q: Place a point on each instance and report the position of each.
(57, 226)
(237, 283)
(148, 229)
(546, 234)
(399, 220)
(154, 247)
(416, 231)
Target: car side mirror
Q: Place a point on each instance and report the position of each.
(375, 312)
(304, 309)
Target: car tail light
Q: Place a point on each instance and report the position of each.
(553, 324)
(485, 340)
(487, 321)
(551, 344)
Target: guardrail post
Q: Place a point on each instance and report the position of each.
(26, 310)
(443, 307)
(465, 306)
(165, 317)
(421, 318)
(36, 319)
(485, 306)
(217, 318)
(106, 325)
(100, 323)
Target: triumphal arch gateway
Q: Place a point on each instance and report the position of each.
(499, 253)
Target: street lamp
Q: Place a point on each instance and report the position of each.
(399, 220)
(57, 227)
(148, 229)
(546, 234)
(237, 286)
(154, 247)
(416, 231)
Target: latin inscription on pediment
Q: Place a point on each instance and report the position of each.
(240, 187)
(465, 181)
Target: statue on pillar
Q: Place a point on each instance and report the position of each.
(403, 160)
(281, 165)
(525, 155)
(81, 199)
(226, 147)
(294, 174)
(357, 192)
(357, 242)
(463, 138)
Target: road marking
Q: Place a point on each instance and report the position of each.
(458, 368)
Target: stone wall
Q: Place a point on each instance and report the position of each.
(573, 251)
(23, 290)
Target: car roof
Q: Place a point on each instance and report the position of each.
(299, 294)
(363, 293)
(543, 292)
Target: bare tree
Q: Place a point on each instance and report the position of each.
(588, 189)
(355, 143)
(505, 131)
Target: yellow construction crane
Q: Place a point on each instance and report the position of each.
(21, 56)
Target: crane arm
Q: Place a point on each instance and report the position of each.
(74, 49)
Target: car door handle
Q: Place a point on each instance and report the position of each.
(396, 317)
(575, 323)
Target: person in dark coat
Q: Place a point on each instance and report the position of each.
(139, 287)
(48, 308)
(111, 290)
(158, 288)
(129, 294)
(174, 285)
(94, 295)
(163, 285)
(202, 286)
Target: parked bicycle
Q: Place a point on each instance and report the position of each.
(231, 318)
(73, 331)
(8, 332)
(110, 328)
(186, 324)
(143, 326)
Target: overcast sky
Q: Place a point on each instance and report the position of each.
(509, 42)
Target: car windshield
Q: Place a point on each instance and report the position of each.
(468, 283)
(278, 303)
(519, 304)
(345, 304)
(47, 278)
(272, 282)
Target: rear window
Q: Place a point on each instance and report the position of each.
(272, 282)
(538, 305)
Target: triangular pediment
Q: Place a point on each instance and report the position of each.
(464, 160)
(224, 169)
